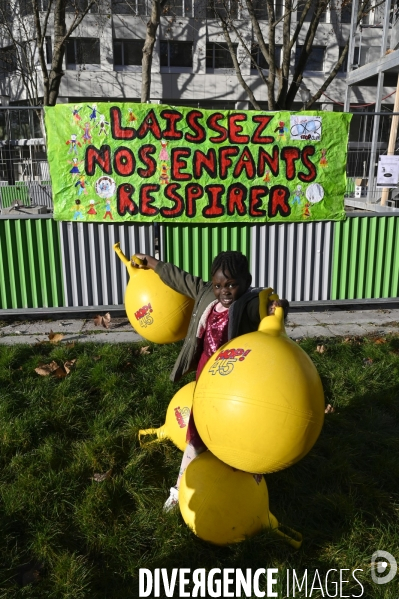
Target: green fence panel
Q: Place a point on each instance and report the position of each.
(193, 247)
(11, 193)
(30, 264)
(366, 258)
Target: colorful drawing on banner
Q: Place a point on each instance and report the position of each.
(298, 194)
(315, 193)
(306, 127)
(105, 187)
(146, 163)
(323, 160)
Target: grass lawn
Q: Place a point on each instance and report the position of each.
(66, 535)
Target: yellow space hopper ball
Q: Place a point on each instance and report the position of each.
(259, 403)
(155, 311)
(223, 505)
(176, 421)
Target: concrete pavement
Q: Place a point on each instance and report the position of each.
(329, 323)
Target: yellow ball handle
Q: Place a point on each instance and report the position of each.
(159, 432)
(120, 254)
(137, 260)
(264, 298)
(292, 537)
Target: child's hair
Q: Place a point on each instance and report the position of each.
(77, 202)
(233, 263)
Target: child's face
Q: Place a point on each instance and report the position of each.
(226, 289)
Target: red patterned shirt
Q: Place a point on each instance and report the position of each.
(215, 335)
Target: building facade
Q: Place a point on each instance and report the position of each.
(191, 63)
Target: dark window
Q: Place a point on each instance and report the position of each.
(344, 65)
(218, 56)
(311, 11)
(179, 8)
(345, 13)
(176, 54)
(8, 60)
(82, 51)
(79, 6)
(130, 7)
(260, 9)
(49, 50)
(260, 60)
(25, 8)
(315, 61)
(128, 52)
(225, 8)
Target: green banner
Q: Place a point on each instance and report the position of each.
(142, 162)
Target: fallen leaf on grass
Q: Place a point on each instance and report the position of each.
(68, 365)
(100, 477)
(46, 369)
(55, 337)
(321, 349)
(143, 350)
(329, 409)
(96, 358)
(380, 340)
(103, 320)
(367, 362)
(70, 344)
(55, 369)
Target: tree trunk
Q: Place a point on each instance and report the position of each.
(148, 48)
(52, 86)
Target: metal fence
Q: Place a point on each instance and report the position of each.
(44, 263)
(368, 141)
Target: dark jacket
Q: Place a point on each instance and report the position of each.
(243, 313)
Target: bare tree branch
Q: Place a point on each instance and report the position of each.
(237, 66)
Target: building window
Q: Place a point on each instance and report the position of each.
(344, 66)
(8, 61)
(178, 8)
(79, 6)
(176, 56)
(218, 56)
(48, 49)
(130, 7)
(345, 13)
(260, 60)
(311, 11)
(83, 53)
(260, 9)
(128, 53)
(315, 61)
(224, 8)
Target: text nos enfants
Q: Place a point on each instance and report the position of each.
(225, 167)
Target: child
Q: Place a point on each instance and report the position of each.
(224, 308)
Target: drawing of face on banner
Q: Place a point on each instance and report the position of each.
(315, 193)
(105, 187)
